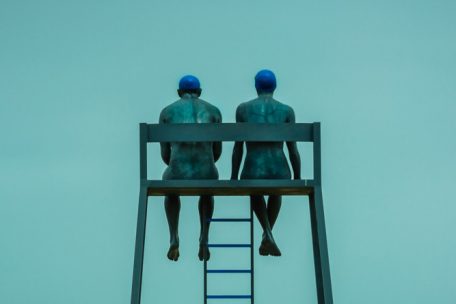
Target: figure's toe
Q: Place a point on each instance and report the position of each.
(275, 251)
(204, 254)
(263, 249)
(269, 247)
(173, 253)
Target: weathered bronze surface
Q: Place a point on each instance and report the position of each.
(190, 160)
(266, 160)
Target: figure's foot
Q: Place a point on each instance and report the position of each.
(204, 254)
(173, 252)
(269, 247)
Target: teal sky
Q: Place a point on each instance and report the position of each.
(76, 78)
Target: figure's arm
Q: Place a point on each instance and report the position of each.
(293, 152)
(236, 159)
(165, 147)
(217, 146)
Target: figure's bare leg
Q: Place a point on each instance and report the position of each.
(274, 204)
(268, 245)
(273, 209)
(206, 210)
(172, 208)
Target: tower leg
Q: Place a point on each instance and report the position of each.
(320, 247)
(204, 225)
(139, 247)
(252, 257)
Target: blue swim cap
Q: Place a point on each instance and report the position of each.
(265, 81)
(189, 82)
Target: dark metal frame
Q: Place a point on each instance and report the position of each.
(300, 132)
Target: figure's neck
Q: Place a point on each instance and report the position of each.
(265, 95)
(189, 96)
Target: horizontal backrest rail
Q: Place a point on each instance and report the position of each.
(209, 132)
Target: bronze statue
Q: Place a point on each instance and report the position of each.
(266, 160)
(190, 160)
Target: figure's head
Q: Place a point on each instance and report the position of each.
(189, 84)
(265, 82)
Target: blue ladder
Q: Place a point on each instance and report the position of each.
(230, 271)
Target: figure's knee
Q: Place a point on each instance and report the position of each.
(206, 199)
(256, 198)
(257, 202)
(275, 199)
(172, 199)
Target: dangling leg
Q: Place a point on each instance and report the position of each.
(274, 204)
(206, 209)
(172, 208)
(268, 245)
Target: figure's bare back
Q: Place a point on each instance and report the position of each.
(265, 159)
(262, 110)
(191, 110)
(191, 160)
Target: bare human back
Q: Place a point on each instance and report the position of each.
(192, 160)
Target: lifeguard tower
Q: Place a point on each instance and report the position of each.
(299, 132)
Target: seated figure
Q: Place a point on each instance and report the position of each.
(266, 160)
(190, 160)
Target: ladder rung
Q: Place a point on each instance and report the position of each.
(229, 220)
(229, 271)
(230, 245)
(228, 296)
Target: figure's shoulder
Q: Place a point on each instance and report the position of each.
(287, 110)
(172, 105)
(242, 110)
(253, 102)
(206, 104)
(284, 107)
(167, 111)
(248, 104)
(242, 106)
(209, 107)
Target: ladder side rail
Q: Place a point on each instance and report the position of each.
(252, 258)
